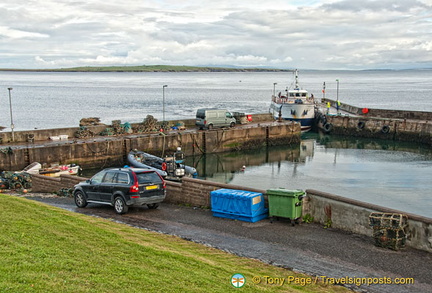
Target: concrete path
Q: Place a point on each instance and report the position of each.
(307, 248)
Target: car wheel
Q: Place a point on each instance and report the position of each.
(80, 199)
(120, 205)
(232, 124)
(153, 206)
(210, 126)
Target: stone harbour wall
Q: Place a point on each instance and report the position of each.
(353, 216)
(344, 213)
(109, 151)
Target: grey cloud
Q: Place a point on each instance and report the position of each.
(345, 34)
(375, 5)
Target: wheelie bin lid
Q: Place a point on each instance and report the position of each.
(285, 192)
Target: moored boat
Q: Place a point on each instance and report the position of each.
(171, 167)
(53, 171)
(296, 104)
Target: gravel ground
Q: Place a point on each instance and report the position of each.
(307, 248)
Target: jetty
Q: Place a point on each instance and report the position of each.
(90, 146)
(399, 125)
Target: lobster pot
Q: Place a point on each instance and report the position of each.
(389, 238)
(389, 230)
(238, 205)
(388, 220)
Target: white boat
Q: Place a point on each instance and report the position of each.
(53, 171)
(294, 104)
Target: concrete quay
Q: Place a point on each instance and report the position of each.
(112, 150)
(399, 125)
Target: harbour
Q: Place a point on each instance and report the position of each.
(386, 192)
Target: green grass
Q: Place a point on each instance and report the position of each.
(48, 249)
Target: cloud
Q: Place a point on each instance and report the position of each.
(285, 34)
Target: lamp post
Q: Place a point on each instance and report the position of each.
(163, 102)
(337, 96)
(337, 90)
(10, 107)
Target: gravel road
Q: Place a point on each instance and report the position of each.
(307, 248)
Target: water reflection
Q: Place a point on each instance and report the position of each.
(223, 167)
(387, 173)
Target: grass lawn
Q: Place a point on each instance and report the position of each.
(48, 249)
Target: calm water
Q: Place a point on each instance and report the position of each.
(396, 175)
(47, 100)
(383, 173)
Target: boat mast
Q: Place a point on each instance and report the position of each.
(296, 86)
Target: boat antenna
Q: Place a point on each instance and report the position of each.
(296, 80)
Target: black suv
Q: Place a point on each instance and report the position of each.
(121, 188)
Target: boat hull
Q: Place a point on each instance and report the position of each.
(156, 164)
(302, 113)
(132, 160)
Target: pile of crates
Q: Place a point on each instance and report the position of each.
(240, 117)
(389, 229)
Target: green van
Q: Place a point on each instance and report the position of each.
(207, 118)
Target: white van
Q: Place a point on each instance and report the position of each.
(211, 117)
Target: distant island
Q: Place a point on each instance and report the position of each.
(151, 68)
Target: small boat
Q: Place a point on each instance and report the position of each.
(137, 159)
(295, 104)
(172, 167)
(53, 171)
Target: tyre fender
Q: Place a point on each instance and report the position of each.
(361, 125)
(328, 127)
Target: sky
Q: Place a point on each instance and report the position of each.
(285, 34)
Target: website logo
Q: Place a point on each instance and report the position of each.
(238, 280)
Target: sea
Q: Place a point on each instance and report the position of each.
(386, 173)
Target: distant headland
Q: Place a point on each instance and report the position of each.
(151, 68)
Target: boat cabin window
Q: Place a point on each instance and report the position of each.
(292, 95)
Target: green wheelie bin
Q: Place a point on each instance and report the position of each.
(285, 203)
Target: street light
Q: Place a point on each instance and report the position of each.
(337, 96)
(10, 107)
(163, 102)
(337, 90)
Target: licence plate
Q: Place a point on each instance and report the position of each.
(150, 187)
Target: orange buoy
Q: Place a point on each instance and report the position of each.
(365, 110)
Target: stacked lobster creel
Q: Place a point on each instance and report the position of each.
(15, 180)
(389, 229)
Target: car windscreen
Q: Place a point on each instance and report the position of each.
(97, 178)
(148, 177)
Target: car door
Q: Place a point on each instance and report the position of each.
(123, 183)
(92, 189)
(106, 187)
